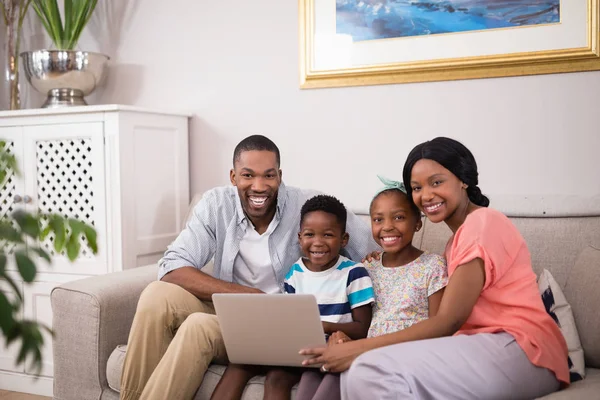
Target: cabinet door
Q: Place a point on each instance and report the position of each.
(64, 170)
(12, 191)
(38, 308)
(8, 355)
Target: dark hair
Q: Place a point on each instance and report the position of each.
(256, 142)
(328, 204)
(453, 156)
(413, 207)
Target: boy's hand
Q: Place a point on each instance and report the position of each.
(338, 337)
(371, 256)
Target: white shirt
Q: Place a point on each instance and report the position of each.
(253, 266)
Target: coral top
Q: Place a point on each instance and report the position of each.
(510, 300)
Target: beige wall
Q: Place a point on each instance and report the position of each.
(234, 66)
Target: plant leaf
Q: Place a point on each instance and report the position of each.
(91, 237)
(26, 267)
(9, 233)
(57, 224)
(45, 232)
(27, 222)
(7, 319)
(42, 253)
(15, 289)
(73, 247)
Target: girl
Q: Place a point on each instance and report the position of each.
(408, 282)
(491, 337)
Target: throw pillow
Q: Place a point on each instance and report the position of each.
(558, 308)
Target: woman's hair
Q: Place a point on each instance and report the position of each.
(453, 156)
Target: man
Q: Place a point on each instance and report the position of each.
(251, 230)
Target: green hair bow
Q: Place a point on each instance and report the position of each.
(389, 184)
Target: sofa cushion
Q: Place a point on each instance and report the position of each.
(559, 309)
(582, 290)
(586, 389)
(254, 389)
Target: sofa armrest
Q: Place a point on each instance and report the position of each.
(91, 317)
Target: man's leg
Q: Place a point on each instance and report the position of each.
(482, 367)
(162, 308)
(180, 372)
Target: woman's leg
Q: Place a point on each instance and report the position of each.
(309, 384)
(234, 380)
(279, 383)
(329, 389)
(482, 366)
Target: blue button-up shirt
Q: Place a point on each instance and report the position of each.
(218, 225)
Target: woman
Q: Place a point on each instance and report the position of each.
(491, 337)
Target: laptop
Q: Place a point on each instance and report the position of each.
(269, 329)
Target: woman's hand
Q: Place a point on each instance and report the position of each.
(375, 255)
(338, 337)
(336, 358)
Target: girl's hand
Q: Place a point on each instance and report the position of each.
(338, 337)
(371, 256)
(336, 358)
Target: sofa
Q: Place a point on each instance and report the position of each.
(92, 317)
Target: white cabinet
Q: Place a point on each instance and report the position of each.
(122, 169)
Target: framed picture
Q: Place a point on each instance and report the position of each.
(369, 42)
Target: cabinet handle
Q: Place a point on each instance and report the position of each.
(17, 198)
(26, 199)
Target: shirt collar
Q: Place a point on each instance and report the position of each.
(281, 199)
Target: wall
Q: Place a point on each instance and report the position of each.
(234, 66)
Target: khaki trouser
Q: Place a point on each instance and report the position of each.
(173, 339)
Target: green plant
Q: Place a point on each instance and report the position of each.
(20, 236)
(77, 13)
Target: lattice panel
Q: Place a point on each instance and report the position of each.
(7, 193)
(64, 177)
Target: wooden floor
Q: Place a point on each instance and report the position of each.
(6, 395)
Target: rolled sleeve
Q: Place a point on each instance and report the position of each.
(195, 246)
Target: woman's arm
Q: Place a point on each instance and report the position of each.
(358, 328)
(434, 302)
(461, 294)
(458, 301)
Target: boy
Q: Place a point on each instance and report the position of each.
(342, 287)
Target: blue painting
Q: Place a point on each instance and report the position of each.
(383, 19)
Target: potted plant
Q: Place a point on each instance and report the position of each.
(66, 74)
(21, 233)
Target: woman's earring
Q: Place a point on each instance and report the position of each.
(464, 186)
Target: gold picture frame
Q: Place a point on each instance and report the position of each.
(577, 59)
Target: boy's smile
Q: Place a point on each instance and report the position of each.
(321, 238)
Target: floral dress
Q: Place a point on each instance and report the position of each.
(401, 293)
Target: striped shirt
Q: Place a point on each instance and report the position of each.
(338, 290)
(218, 224)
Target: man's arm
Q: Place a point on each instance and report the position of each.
(193, 249)
(203, 285)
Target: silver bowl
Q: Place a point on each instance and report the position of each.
(66, 76)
